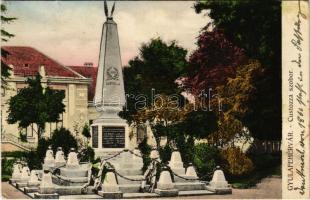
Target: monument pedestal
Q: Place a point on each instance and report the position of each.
(109, 135)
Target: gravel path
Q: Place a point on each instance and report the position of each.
(269, 188)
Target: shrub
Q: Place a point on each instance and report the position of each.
(86, 131)
(43, 145)
(33, 160)
(7, 166)
(186, 147)
(63, 138)
(206, 158)
(165, 153)
(87, 155)
(236, 162)
(15, 154)
(145, 150)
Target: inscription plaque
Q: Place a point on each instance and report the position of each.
(95, 136)
(113, 137)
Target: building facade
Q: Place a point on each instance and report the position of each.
(26, 62)
(78, 83)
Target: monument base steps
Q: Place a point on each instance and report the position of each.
(125, 181)
(188, 186)
(129, 172)
(13, 181)
(46, 196)
(69, 181)
(68, 190)
(31, 189)
(219, 190)
(21, 184)
(73, 172)
(130, 188)
(111, 195)
(195, 193)
(178, 179)
(167, 193)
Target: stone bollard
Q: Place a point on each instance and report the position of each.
(60, 158)
(34, 180)
(33, 183)
(165, 186)
(176, 163)
(191, 172)
(25, 176)
(49, 161)
(110, 188)
(17, 173)
(218, 184)
(46, 188)
(72, 161)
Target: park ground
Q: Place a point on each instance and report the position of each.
(269, 188)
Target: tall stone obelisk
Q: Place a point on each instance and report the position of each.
(109, 131)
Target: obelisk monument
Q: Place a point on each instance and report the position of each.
(109, 131)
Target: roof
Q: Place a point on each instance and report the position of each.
(88, 72)
(27, 60)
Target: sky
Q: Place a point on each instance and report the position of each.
(70, 32)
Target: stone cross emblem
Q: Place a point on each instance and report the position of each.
(112, 73)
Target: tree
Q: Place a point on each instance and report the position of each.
(215, 60)
(156, 69)
(5, 69)
(248, 24)
(235, 97)
(35, 105)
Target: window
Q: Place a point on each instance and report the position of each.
(94, 136)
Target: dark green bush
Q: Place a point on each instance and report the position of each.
(15, 154)
(87, 155)
(7, 166)
(145, 150)
(43, 145)
(33, 160)
(206, 158)
(186, 147)
(165, 153)
(63, 138)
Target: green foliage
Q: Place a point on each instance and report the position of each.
(165, 153)
(86, 131)
(237, 19)
(33, 160)
(265, 165)
(7, 166)
(15, 154)
(206, 158)
(63, 138)
(157, 67)
(145, 150)
(236, 162)
(34, 104)
(42, 147)
(87, 155)
(199, 124)
(23, 137)
(5, 35)
(186, 145)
